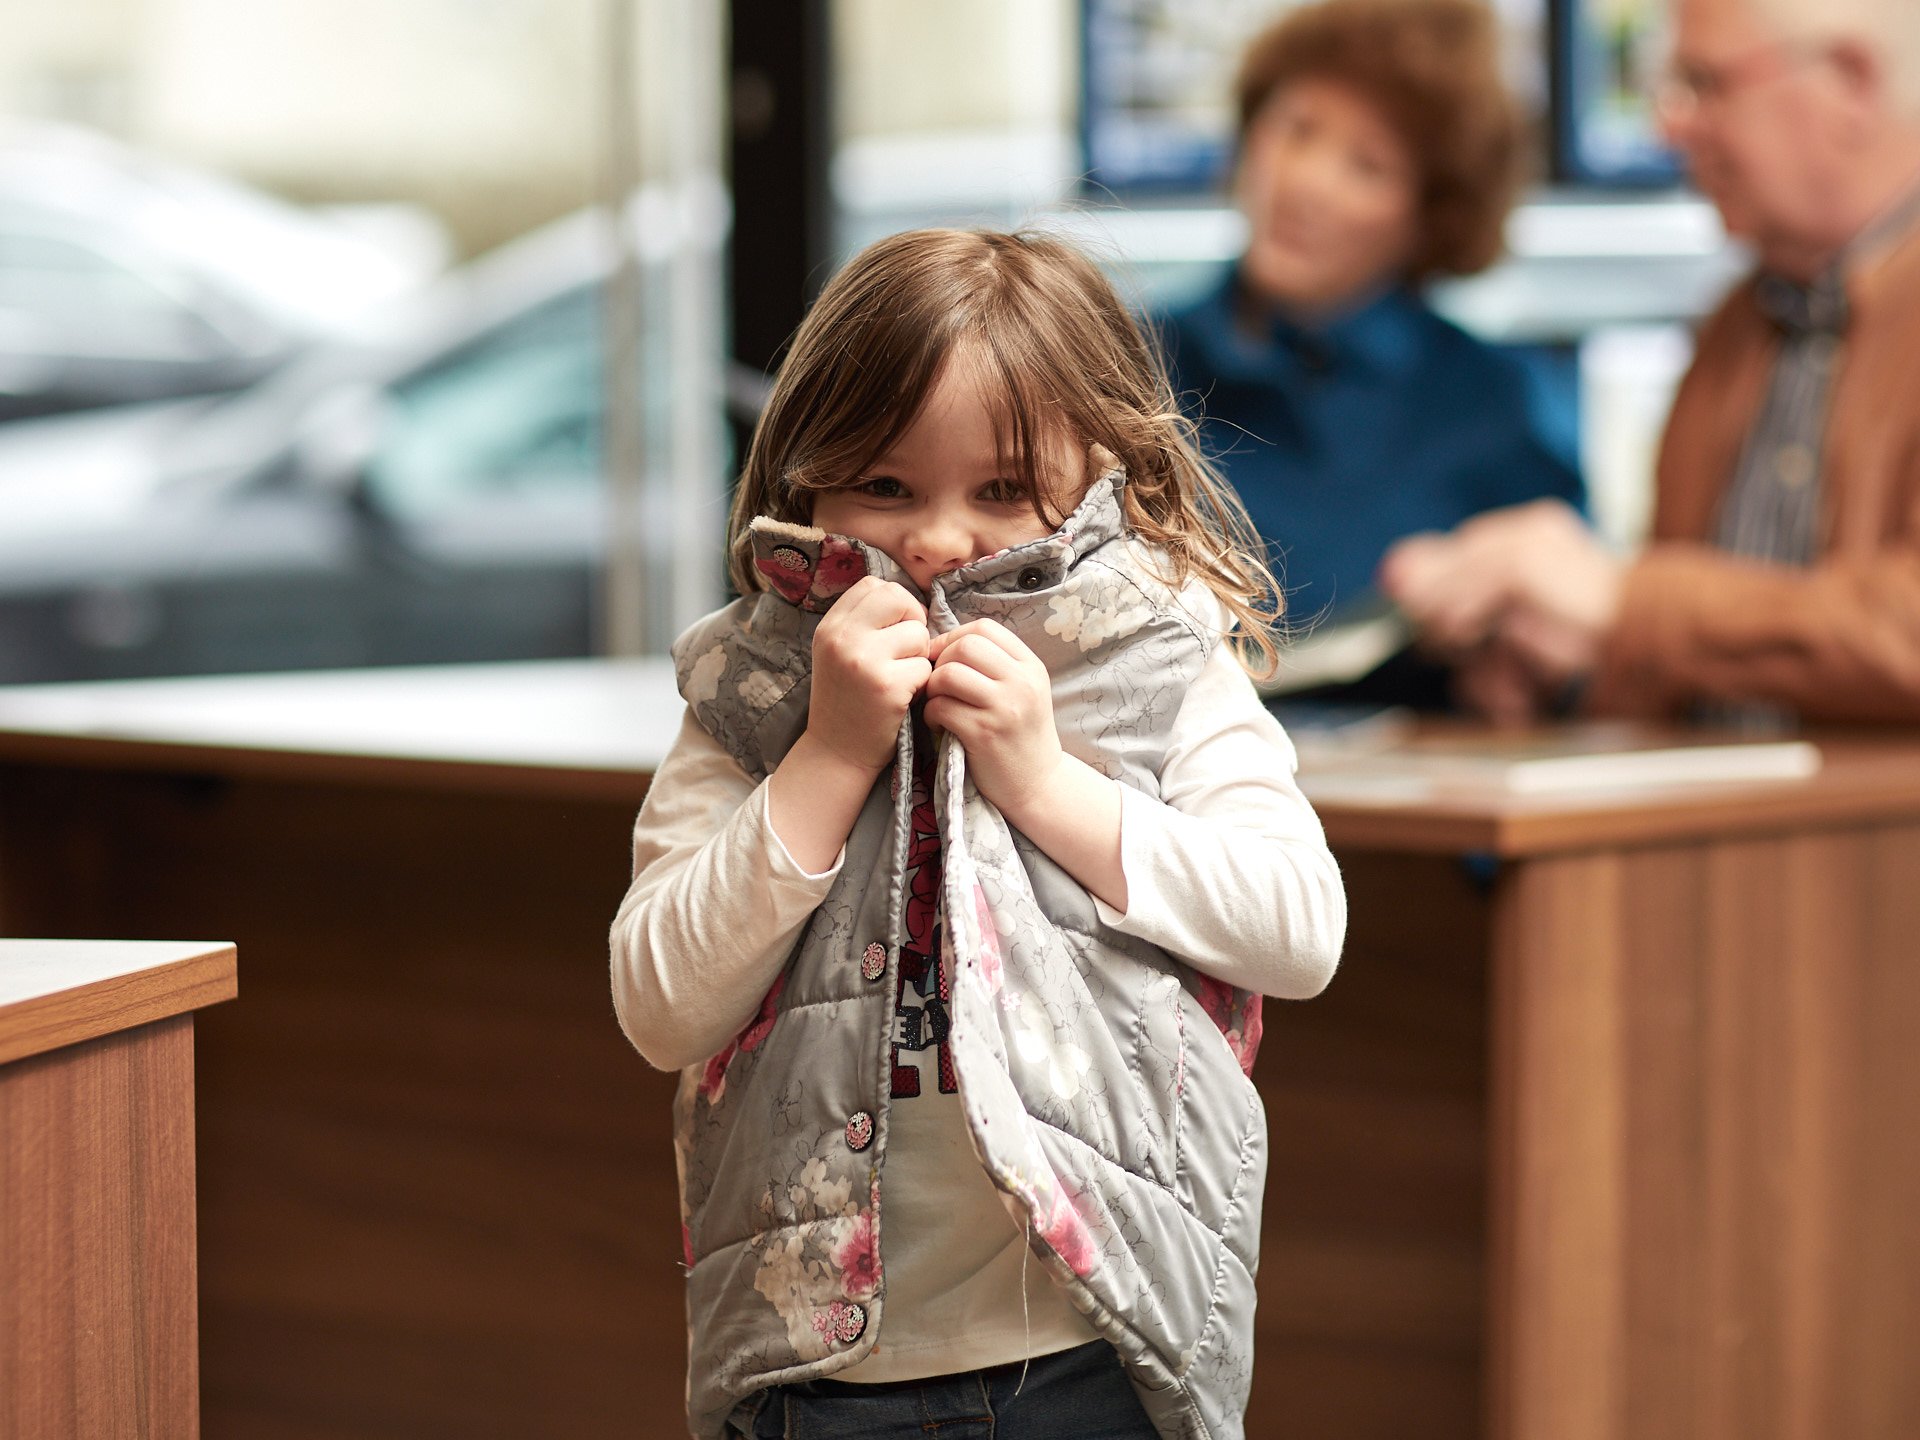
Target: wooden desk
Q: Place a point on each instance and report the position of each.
(98, 1322)
(1601, 1133)
(1641, 1079)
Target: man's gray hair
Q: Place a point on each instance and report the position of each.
(1890, 27)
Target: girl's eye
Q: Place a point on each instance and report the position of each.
(1004, 492)
(882, 487)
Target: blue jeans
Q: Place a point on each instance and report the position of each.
(1078, 1394)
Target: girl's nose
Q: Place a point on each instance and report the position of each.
(940, 542)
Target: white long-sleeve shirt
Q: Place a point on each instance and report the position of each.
(1229, 871)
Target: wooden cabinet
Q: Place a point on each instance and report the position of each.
(1609, 1112)
(98, 1317)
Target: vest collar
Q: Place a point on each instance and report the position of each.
(811, 568)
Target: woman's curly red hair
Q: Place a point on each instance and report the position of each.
(1433, 69)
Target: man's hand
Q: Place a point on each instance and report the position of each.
(1531, 579)
(1496, 683)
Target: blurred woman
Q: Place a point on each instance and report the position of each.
(1377, 150)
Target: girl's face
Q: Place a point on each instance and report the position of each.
(1331, 194)
(938, 498)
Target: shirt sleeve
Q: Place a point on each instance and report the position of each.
(1836, 642)
(1229, 869)
(714, 908)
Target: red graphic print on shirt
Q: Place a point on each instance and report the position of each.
(922, 1000)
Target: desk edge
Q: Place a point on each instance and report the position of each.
(122, 1002)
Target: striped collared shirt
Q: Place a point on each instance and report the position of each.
(1772, 511)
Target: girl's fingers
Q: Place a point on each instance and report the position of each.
(977, 653)
(960, 632)
(944, 713)
(904, 602)
(1001, 636)
(880, 603)
(910, 677)
(1006, 640)
(907, 638)
(962, 683)
(969, 723)
(877, 617)
(986, 645)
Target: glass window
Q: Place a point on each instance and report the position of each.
(518, 412)
(81, 296)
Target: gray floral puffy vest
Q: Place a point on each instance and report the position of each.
(1104, 1083)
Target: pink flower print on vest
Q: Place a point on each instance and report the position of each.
(1237, 1013)
(857, 1258)
(1067, 1233)
(841, 1321)
(787, 570)
(840, 566)
(713, 1083)
(801, 579)
(923, 846)
(990, 964)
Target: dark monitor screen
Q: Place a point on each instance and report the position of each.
(1156, 87)
(1157, 80)
(1607, 59)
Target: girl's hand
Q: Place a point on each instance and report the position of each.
(870, 658)
(993, 694)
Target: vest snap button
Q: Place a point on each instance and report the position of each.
(860, 1130)
(873, 962)
(1032, 578)
(845, 1320)
(791, 558)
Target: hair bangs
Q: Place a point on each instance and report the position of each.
(863, 405)
(1029, 433)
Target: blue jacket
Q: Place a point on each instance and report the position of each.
(1341, 439)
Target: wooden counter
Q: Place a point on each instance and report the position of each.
(1863, 777)
(1602, 1130)
(98, 1316)
(1691, 1137)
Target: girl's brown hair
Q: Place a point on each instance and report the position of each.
(1433, 69)
(1053, 339)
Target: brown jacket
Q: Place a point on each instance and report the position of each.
(1839, 640)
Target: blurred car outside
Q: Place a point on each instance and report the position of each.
(435, 495)
(125, 277)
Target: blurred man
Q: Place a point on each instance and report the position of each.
(1783, 575)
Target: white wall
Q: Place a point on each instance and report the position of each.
(955, 65)
(490, 111)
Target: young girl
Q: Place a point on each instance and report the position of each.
(955, 899)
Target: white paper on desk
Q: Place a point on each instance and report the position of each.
(1680, 765)
(1586, 759)
(1349, 646)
